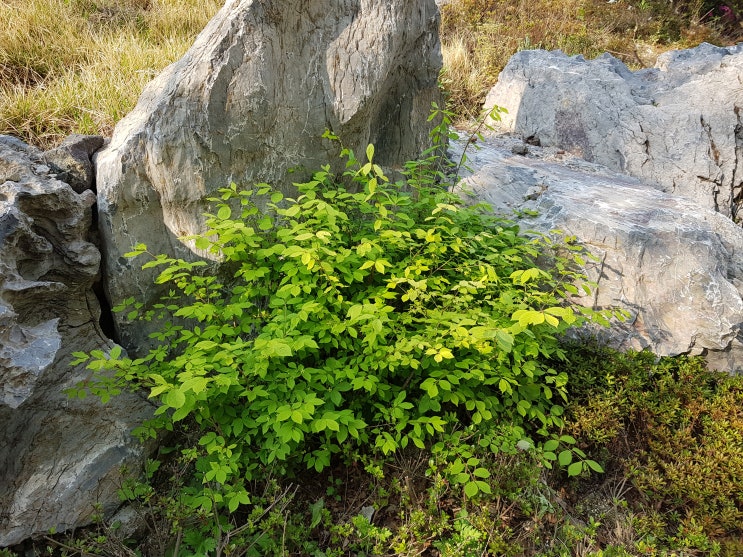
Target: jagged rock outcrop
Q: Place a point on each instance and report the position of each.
(72, 160)
(249, 102)
(677, 268)
(678, 126)
(58, 457)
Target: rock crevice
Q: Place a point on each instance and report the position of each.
(58, 457)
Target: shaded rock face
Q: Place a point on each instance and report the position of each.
(677, 126)
(58, 457)
(73, 160)
(675, 267)
(250, 101)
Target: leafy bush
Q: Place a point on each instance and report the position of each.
(362, 313)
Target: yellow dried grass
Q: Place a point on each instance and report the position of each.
(78, 66)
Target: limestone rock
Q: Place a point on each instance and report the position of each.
(73, 160)
(677, 126)
(674, 266)
(248, 103)
(58, 457)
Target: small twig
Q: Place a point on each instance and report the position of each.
(178, 539)
(281, 498)
(472, 137)
(634, 55)
(68, 547)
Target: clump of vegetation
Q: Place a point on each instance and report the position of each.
(372, 361)
(358, 320)
(668, 432)
(673, 431)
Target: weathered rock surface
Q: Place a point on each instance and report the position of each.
(72, 160)
(250, 101)
(58, 457)
(678, 125)
(675, 267)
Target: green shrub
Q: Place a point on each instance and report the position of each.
(362, 313)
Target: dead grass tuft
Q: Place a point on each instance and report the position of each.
(57, 56)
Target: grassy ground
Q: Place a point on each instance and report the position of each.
(79, 65)
(479, 36)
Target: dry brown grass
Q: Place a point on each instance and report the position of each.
(479, 36)
(78, 66)
(462, 77)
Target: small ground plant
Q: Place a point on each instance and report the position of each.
(673, 430)
(361, 316)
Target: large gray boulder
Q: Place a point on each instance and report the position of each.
(249, 102)
(677, 126)
(59, 458)
(675, 267)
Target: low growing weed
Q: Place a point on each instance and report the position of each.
(674, 430)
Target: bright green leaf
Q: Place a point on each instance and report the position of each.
(565, 457)
(575, 469)
(175, 399)
(471, 489)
